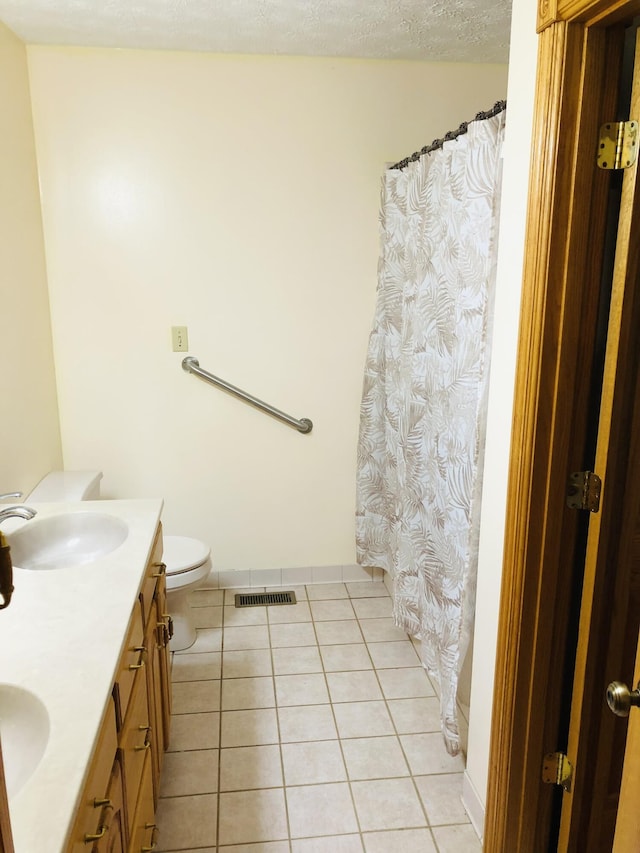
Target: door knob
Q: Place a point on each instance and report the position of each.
(620, 698)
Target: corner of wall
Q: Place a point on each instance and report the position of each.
(29, 427)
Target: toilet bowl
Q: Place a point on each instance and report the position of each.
(188, 563)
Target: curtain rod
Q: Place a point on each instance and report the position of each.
(495, 110)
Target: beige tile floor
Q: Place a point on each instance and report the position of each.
(309, 728)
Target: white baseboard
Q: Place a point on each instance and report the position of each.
(473, 805)
(290, 577)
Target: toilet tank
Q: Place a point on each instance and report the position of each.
(62, 486)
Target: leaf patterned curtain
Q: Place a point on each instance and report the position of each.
(423, 413)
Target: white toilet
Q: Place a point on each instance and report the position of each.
(188, 561)
(60, 486)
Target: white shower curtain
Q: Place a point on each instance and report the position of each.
(423, 411)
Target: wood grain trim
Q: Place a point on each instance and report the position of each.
(548, 434)
(547, 14)
(589, 12)
(597, 12)
(519, 608)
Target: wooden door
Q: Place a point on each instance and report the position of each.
(547, 558)
(609, 606)
(627, 832)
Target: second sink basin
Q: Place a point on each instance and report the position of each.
(66, 540)
(24, 728)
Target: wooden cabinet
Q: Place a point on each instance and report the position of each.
(117, 807)
(157, 635)
(144, 831)
(135, 744)
(91, 821)
(165, 632)
(132, 661)
(6, 839)
(113, 818)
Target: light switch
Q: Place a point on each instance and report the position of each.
(179, 338)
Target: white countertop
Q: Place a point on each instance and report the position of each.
(61, 637)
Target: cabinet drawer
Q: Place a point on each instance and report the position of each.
(135, 742)
(155, 568)
(96, 788)
(132, 661)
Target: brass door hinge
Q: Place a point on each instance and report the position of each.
(557, 770)
(583, 491)
(618, 145)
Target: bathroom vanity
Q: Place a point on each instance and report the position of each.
(89, 645)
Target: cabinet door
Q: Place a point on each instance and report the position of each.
(6, 840)
(155, 569)
(164, 663)
(89, 823)
(135, 743)
(153, 639)
(115, 838)
(143, 836)
(131, 662)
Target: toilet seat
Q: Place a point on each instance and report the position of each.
(183, 554)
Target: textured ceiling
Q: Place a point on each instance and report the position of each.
(433, 30)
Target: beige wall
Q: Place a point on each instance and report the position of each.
(521, 90)
(238, 196)
(29, 431)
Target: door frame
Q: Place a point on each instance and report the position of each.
(579, 42)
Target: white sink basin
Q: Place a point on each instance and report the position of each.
(66, 540)
(24, 732)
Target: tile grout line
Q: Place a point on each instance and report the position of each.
(313, 621)
(393, 722)
(219, 797)
(275, 699)
(335, 723)
(399, 741)
(404, 754)
(395, 728)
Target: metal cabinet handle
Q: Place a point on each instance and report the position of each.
(104, 803)
(147, 743)
(163, 569)
(101, 833)
(143, 653)
(169, 624)
(154, 838)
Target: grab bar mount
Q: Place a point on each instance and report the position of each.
(192, 365)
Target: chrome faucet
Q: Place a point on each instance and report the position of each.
(16, 511)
